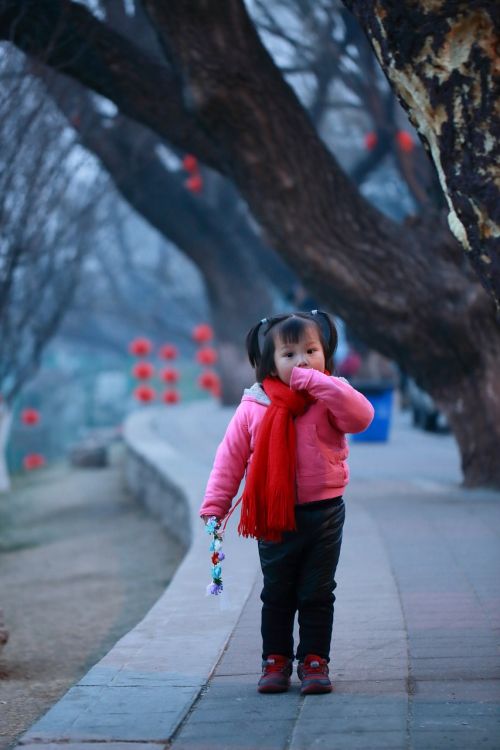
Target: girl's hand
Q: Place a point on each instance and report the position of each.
(205, 519)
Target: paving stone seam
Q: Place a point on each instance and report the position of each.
(411, 683)
(289, 739)
(203, 689)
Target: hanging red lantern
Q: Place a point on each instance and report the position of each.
(208, 380)
(143, 370)
(145, 393)
(169, 375)
(194, 183)
(140, 347)
(190, 163)
(206, 356)
(371, 140)
(171, 396)
(33, 461)
(168, 351)
(203, 333)
(30, 416)
(405, 141)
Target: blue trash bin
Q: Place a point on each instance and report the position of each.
(381, 396)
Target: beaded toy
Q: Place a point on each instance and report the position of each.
(212, 528)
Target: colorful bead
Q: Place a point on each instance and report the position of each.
(212, 527)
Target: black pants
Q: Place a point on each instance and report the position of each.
(299, 575)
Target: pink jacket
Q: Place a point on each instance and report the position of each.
(322, 450)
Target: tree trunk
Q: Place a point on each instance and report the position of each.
(472, 406)
(5, 423)
(442, 62)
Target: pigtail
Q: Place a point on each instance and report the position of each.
(252, 343)
(327, 327)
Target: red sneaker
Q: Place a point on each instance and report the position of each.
(276, 671)
(313, 673)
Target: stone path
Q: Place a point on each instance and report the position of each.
(415, 657)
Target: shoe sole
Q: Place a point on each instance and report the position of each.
(316, 689)
(273, 688)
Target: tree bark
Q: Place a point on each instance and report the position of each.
(470, 405)
(442, 62)
(403, 290)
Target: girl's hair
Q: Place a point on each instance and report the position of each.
(289, 328)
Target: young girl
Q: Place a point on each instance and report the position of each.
(288, 437)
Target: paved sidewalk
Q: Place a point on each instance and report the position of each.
(415, 655)
(143, 688)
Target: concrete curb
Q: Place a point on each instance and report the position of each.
(144, 687)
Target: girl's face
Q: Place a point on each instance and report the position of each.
(306, 352)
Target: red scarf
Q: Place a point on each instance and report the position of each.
(268, 502)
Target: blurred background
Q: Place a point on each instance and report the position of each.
(108, 231)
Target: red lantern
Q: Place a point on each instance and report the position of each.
(190, 163)
(171, 397)
(145, 393)
(206, 356)
(140, 347)
(169, 375)
(30, 416)
(33, 461)
(203, 333)
(168, 351)
(194, 183)
(405, 141)
(143, 370)
(208, 380)
(371, 140)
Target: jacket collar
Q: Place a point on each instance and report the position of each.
(256, 393)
